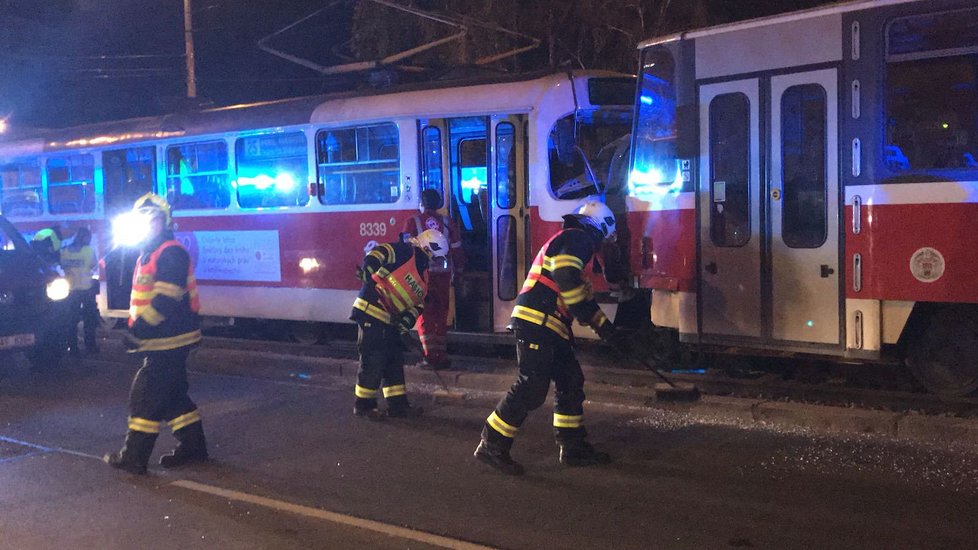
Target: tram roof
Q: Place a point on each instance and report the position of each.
(259, 115)
(830, 9)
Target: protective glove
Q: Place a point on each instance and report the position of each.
(405, 322)
(130, 342)
(362, 275)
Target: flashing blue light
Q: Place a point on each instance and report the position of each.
(653, 181)
(646, 100)
(283, 182)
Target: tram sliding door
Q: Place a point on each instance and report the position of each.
(729, 192)
(804, 204)
(483, 160)
(769, 234)
(510, 213)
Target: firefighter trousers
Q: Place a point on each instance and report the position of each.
(542, 356)
(381, 362)
(159, 396)
(433, 323)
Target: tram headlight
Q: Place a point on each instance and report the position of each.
(58, 289)
(130, 228)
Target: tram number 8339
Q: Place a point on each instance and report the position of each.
(373, 229)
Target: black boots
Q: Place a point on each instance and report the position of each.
(498, 457)
(191, 447)
(134, 454)
(581, 453)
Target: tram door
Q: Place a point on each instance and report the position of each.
(769, 232)
(479, 168)
(128, 174)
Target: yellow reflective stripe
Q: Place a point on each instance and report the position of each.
(403, 299)
(542, 319)
(575, 296)
(372, 310)
(169, 289)
(568, 420)
(394, 391)
(139, 295)
(173, 342)
(364, 393)
(500, 425)
(185, 420)
(559, 327)
(554, 263)
(598, 319)
(137, 424)
(151, 315)
(383, 272)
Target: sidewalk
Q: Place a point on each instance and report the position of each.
(484, 381)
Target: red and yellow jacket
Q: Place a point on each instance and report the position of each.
(395, 286)
(163, 306)
(557, 290)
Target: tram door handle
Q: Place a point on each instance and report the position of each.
(826, 271)
(711, 268)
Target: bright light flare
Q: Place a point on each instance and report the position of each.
(3, 125)
(58, 289)
(309, 264)
(130, 228)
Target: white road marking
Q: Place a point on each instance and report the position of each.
(317, 513)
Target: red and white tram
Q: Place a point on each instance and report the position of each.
(510, 157)
(808, 183)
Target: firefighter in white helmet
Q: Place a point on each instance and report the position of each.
(164, 327)
(395, 281)
(555, 292)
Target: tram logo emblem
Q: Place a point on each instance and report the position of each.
(927, 265)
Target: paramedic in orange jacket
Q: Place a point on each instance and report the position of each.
(433, 323)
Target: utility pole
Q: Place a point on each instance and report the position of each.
(188, 43)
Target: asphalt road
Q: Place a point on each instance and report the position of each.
(294, 469)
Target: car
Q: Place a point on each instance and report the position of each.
(34, 312)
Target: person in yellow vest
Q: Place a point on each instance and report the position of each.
(395, 282)
(555, 292)
(164, 327)
(78, 262)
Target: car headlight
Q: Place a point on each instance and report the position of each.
(58, 289)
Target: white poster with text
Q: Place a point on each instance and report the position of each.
(234, 255)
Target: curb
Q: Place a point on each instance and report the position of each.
(616, 387)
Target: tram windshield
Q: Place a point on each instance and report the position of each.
(655, 170)
(589, 152)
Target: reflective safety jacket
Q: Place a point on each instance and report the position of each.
(556, 289)
(79, 266)
(163, 307)
(396, 284)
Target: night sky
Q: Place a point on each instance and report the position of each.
(68, 62)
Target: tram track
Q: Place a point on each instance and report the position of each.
(855, 386)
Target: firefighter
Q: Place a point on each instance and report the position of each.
(78, 262)
(163, 327)
(433, 323)
(556, 290)
(395, 280)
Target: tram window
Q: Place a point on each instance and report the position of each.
(803, 149)
(359, 165)
(71, 184)
(505, 166)
(932, 94)
(506, 257)
(431, 161)
(730, 170)
(655, 169)
(20, 189)
(272, 170)
(197, 176)
(127, 174)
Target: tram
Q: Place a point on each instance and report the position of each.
(808, 183)
(278, 201)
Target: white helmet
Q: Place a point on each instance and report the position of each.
(597, 214)
(433, 242)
